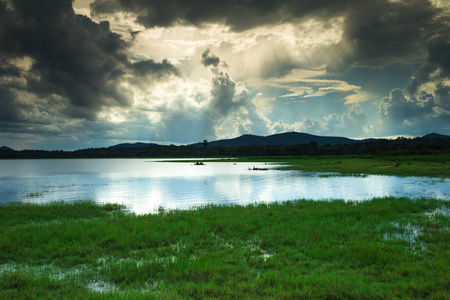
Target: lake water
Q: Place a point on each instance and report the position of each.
(145, 185)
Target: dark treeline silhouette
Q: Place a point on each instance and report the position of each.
(399, 146)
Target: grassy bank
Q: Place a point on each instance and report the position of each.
(383, 248)
(408, 165)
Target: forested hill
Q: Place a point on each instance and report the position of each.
(4, 148)
(428, 145)
(133, 145)
(281, 139)
(436, 136)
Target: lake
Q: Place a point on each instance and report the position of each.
(144, 185)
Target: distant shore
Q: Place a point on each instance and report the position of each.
(432, 144)
(355, 165)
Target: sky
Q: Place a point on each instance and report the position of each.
(94, 73)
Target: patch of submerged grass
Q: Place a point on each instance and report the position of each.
(33, 195)
(342, 175)
(295, 249)
(23, 213)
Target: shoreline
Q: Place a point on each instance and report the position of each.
(437, 166)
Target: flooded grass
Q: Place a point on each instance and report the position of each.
(342, 175)
(383, 248)
(33, 195)
(408, 165)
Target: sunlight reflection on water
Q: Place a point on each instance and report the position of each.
(144, 185)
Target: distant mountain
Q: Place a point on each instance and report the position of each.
(132, 145)
(436, 136)
(4, 148)
(281, 139)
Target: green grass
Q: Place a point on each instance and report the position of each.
(384, 248)
(411, 165)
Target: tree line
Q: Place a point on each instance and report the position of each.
(399, 146)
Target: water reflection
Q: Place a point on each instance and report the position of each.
(145, 185)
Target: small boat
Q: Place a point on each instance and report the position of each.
(199, 163)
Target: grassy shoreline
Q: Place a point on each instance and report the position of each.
(406, 165)
(383, 248)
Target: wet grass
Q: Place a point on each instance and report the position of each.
(383, 248)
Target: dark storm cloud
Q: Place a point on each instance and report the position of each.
(9, 70)
(8, 111)
(209, 59)
(150, 67)
(376, 32)
(424, 105)
(239, 15)
(437, 65)
(72, 58)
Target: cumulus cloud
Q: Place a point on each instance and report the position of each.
(224, 110)
(353, 122)
(76, 67)
(231, 106)
(424, 105)
(417, 115)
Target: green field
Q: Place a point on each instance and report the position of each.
(380, 249)
(408, 165)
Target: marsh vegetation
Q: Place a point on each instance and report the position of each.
(383, 248)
